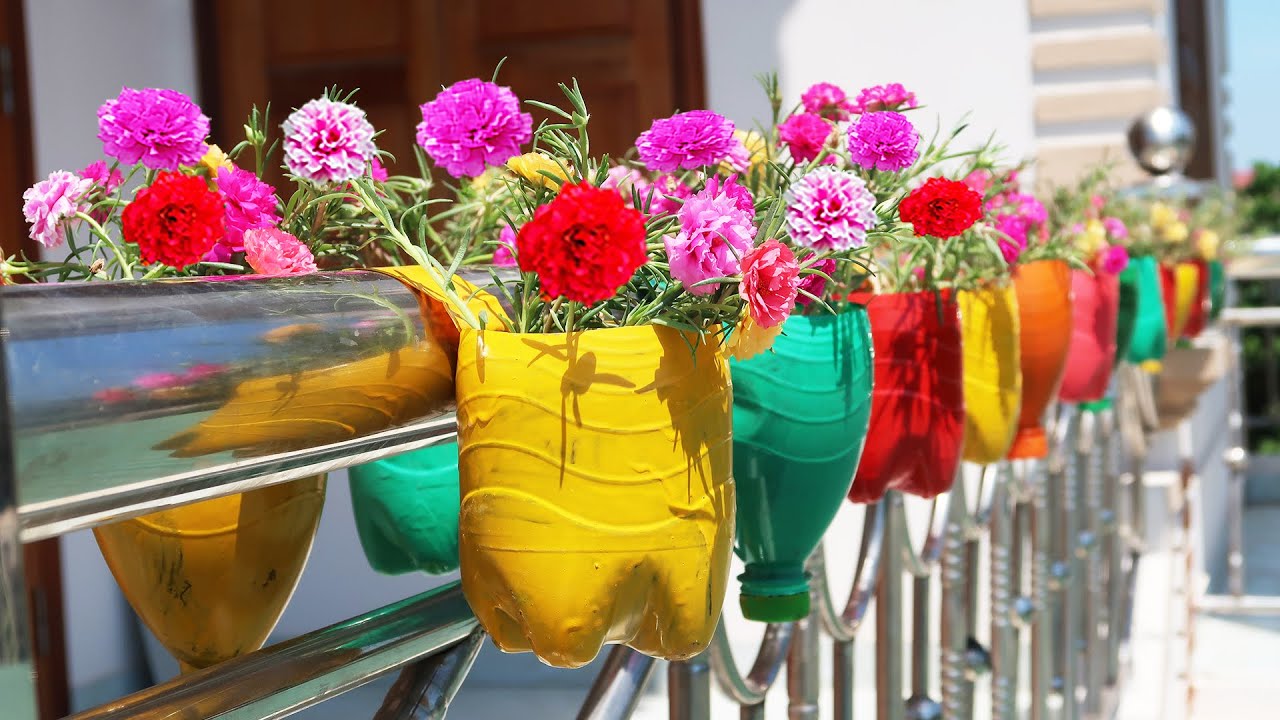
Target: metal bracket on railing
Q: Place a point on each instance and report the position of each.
(749, 691)
(424, 689)
(616, 690)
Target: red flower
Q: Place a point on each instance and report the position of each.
(770, 276)
(175, 221)
(584, 244)
(941, 208)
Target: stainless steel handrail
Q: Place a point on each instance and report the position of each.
(297, 674)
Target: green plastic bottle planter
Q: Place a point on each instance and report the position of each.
(1150, 335)
(406, 510)
(1217, 288)
(800, 416)
(1126, 318)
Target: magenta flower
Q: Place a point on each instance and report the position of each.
(830, 210)
(328, 142)
(687, 141)
(505, 254)
(883, 141)
(813, 283)
(715, 233)
(979, 181)
(376, 170)
(805, 134)
(160, 128)
(826, 100)
(883, 97)
(50, 206)
(271, 251)
(742, 197)
(1115, 228)
(250, 204)
(1115, 259)
(473, 124)
(1013, 239)
(158, 381)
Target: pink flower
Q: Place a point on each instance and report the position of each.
(770, 276)
(1115, 229)
(250, 204)
(1115, 259)
(830, 210)
(50, 206)
(203, 371)
(715, 232)
(473, 124)
(270, 251)
(328, 142)
(813, 283)
(160, 128)
(504, 255)
(883, 97)
(687, 141)
(826, 100)
(105, 183)
(666, 195)
(1010, 247)
(1098, 202)
(739, 156)
(979, 181)
(883, 141)
(742, 197)
(805, 135)
(158, 381)
(376, 170)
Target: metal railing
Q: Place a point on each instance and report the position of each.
(1063, 535)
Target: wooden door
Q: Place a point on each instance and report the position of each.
(15, 129)
(634, 59)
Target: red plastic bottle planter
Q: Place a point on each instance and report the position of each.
(1094, 311)
(1044, 309)
(917, 403)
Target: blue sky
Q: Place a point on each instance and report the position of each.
(1253, 79)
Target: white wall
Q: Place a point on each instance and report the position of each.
(958, 57)
(81, 52)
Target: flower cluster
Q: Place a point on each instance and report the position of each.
(687, 141)
(472, 125)
(161, 129)
(328, 142)
(716, 231)
(941, 208)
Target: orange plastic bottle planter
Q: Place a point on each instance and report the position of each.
(992, 371)
(597, 494)
(1094, 314)
(1201, 304)
(1044, 308)
(917, 404)
(1180, 285)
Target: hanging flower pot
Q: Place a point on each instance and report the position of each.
(1217, 289)
(992, 371)
(917, 404)
(1044, 308)
(1149, 325)
(211, 579)
(597, 494)
(1179, 285)
(800, 417)
(1198, 314)
(1187, 373)
(1094, 313)
(406, 510)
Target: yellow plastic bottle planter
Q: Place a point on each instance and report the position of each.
(211, 579)
(1186, 284)
(597, 494)
(992, 372)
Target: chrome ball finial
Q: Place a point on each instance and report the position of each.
(1162, 141)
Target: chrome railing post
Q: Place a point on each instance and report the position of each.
(424, 689)
(890, 703)
(1113, 549)
(1080, 423)
(957, 685)
(1004, 634)
(616, 690)
(804, 682)
(1096, 425)
(843, 627)
(689, 689)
